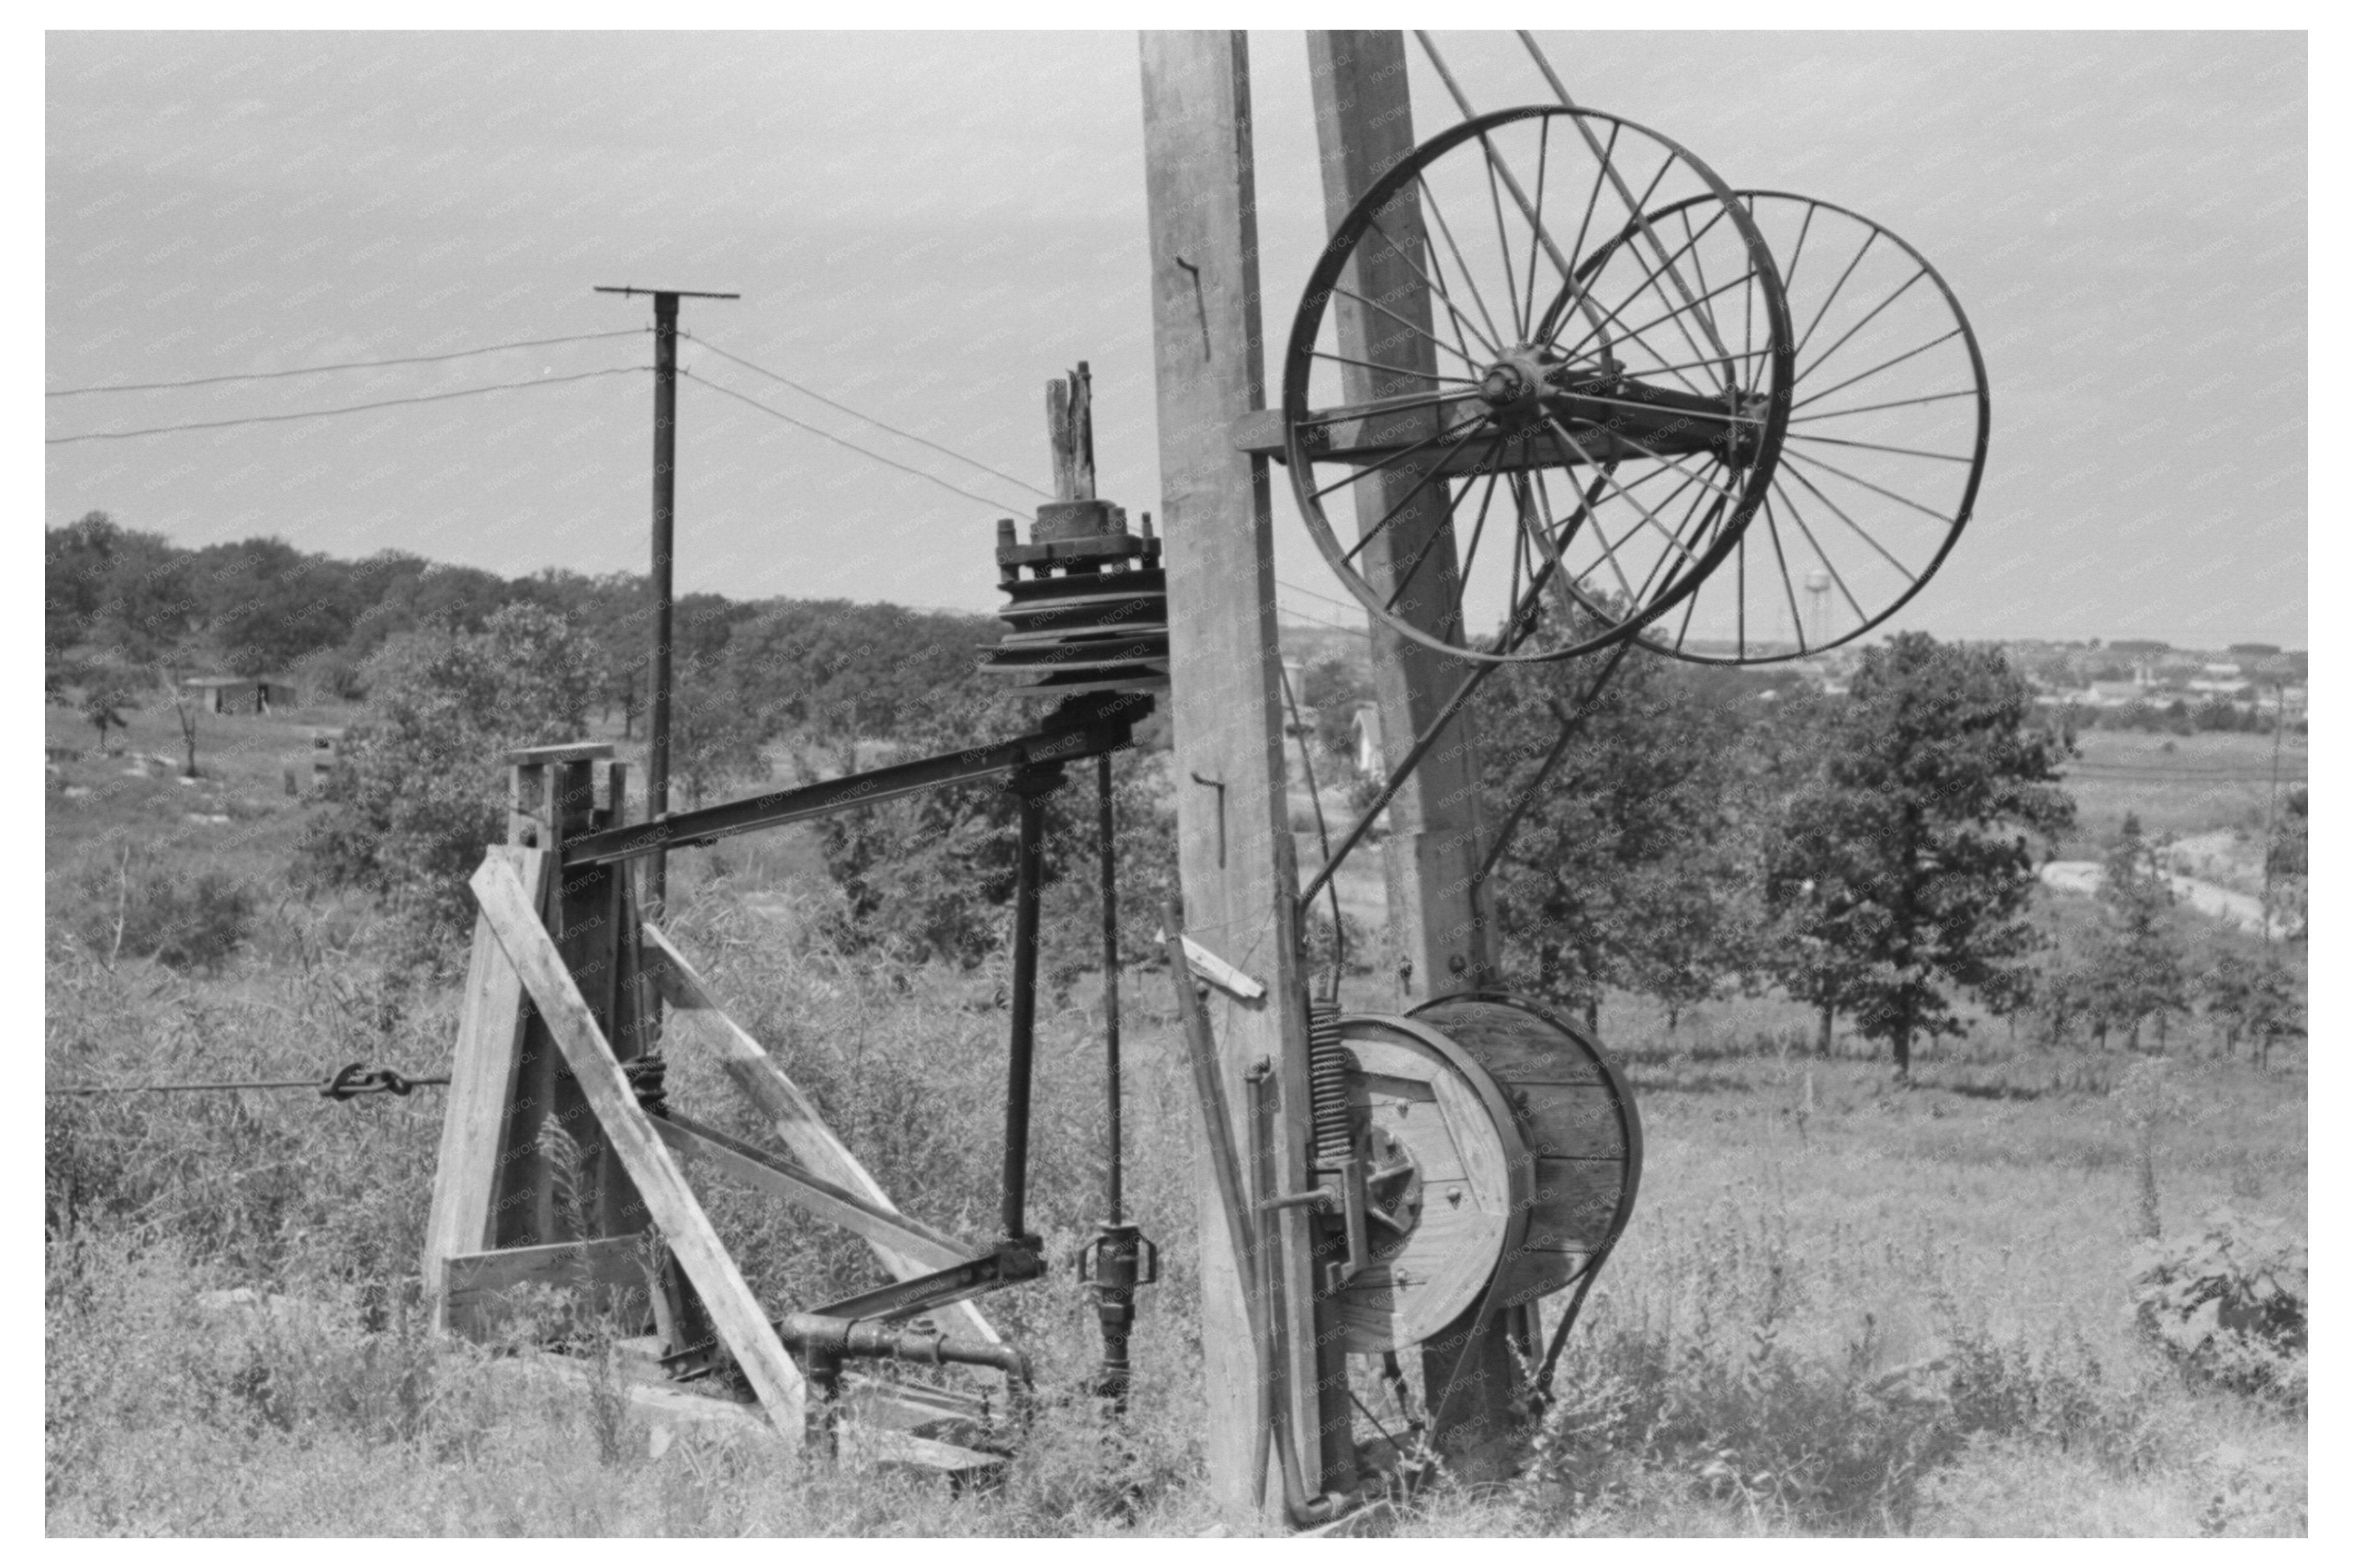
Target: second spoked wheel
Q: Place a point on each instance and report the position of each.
(1524, 415)
(1886, 442)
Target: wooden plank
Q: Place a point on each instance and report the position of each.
(1574, 1203)
(1573, 1120)
(1234, 846)
(791, 1111)
(827, 1201)
(1513, 1044)
(481, 1084)
(479, 1286)
(742, 1324)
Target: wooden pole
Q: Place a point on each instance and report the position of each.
(1363, 127)
(1236, 861)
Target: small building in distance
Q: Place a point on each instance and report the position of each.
(235, 694)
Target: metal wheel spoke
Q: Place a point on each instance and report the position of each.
(1862, 323)
(1403, 403)
(1443, 297)
(1420, 485)
(1437, 534)
(1878, 446)
(1799, 352)
(1652, 408)
(1861, 532)
(1592, 202)
(1393, 370)
(1828, 565)
(1354, 474)
(1797, 253)
(1703, 363)
(1772, 529)
(1503, 240)
(1866, 484)
(1561, 431)
(1557, 573)
(1409, 326)
(1876, 408)
(1874, 370)
(1470, 555)
(1637, 293)
(1610, 166)
(1543, 153)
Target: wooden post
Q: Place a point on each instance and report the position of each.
(1363, 127)
(1235, 853)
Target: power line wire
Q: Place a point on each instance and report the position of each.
(829, 435)
(353, 408)
(349, 365)
(854, 413)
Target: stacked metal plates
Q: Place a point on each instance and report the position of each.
(1083, 615)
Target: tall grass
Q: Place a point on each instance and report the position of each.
(1841, 1309)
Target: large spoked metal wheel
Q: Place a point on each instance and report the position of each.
(1514, 402)
(1886, 442)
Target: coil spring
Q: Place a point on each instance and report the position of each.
(1328, 1065)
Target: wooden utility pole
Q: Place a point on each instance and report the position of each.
(1235, 853)
(664, 494)
(1363, 127)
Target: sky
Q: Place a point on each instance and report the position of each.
(927, 227)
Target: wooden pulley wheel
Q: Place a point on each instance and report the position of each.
(1450, 1184)
(1572, 1115)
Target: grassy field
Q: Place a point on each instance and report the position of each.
(1842, 1308)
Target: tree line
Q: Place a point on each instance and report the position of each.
(1873, 855)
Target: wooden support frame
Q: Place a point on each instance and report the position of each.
(1235, 853)
(742, 1325)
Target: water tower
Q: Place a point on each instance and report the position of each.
(1817, 606)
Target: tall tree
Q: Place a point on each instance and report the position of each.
(2138, 971)
(416, 794)
(1908, 853)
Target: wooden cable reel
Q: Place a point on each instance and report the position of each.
(1496, 1137)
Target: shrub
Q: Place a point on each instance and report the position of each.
(2229, 1307)
(141, 909)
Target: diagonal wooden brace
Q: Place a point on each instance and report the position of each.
(747, 1165)
(789, 1109)
(735, 1313)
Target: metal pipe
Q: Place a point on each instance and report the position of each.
(839, 1337)
(1106, 858)
(1031, 786)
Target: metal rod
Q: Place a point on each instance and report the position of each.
(1398, 776)
(1569, 724)
(1031, 787)
(1107, 858)
(1107, 731)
